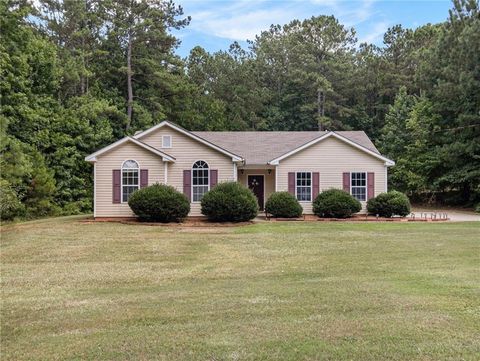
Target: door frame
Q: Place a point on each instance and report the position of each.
(263, 176)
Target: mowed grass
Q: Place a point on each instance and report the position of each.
(269, 291)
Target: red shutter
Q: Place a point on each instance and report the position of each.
(143, 178)
(315, 185)
(370, 185)
(116, 185)
(213, 178)
(291, 183)
(187, 184)
(346, 182)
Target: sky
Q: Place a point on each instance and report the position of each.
(216, 24)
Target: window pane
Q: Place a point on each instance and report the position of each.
(359, 193)
(130, 164)
(127, 191)
(166, 141)
(198, 192)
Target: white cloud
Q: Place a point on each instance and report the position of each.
(242, 20)
(240, 26)
(376, 33)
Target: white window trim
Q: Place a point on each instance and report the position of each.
(366, 185)
(191, 179)
(163, 143)
(311, 186)
(121, 178)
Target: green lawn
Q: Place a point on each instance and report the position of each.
(270, 291)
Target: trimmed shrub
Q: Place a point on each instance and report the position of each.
(335, 203)
(389, 204)
(284, 205)
(159, 203)
(229, 202)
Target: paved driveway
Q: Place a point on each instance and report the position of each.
(453, 214)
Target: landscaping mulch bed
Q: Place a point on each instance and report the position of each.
(189, 222)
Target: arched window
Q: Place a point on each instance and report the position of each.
(130, 178)
(200, 180)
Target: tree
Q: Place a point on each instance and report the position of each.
(138, 30)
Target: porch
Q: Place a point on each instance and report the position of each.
(261, 180)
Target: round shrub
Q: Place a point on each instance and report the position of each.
(335, 203)
(229, 202)
(159, 203)
(284, 205)
(389, 204)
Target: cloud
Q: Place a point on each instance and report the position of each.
(376, 33)
(242, 20)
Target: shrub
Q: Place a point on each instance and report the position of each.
(477, 208)
(389, 204)
(159, 203)
(283, 204)
(229, 202)
(10, 205)
(335, 203)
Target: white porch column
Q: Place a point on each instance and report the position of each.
(386, 178)
(94, 189)
(276, 178)
(165, 171)
(235, 172)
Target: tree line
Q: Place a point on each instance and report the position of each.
(79, 74)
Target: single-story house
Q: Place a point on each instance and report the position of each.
(303, 163)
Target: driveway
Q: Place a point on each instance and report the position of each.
(455, 215)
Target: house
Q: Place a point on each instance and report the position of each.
(302, 163)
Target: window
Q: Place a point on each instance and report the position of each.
(359, 185)
(130, 179)
(166, 141)
(303, 188)
(200, 181)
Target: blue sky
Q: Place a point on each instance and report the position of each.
(217, 23)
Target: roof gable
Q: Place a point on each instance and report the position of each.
(327, 135)
(192, 135)
(165, 157)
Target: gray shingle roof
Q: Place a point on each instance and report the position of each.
(261, 147)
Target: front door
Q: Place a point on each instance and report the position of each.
(256, 184)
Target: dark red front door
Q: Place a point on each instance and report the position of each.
(256, 184)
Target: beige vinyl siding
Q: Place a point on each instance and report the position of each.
(187, 151)
(113, 159)
(331, 158)
(268, 178)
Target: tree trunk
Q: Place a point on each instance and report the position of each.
(82, 75)
(129, 84)
(320, 108)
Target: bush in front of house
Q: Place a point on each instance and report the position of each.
(283, 205)
(229, 202)
(159, 203)
(389, 204)
(477, 208)
(335, 203)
